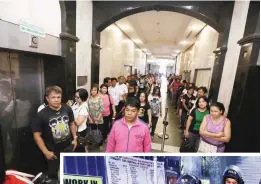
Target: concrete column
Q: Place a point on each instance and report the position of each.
(233, 49)
(83, 47)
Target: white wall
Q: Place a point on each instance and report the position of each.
(83, 47)
(233, 50)
(200, 55)
(117, 51)
(45, 14)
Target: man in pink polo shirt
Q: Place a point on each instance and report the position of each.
(129, 134)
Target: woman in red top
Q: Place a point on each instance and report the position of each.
(174, 88)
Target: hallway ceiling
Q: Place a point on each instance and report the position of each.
(161, 34)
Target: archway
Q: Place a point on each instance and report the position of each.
(178, 9)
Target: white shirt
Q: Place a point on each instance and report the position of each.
(81, 110)
(129, 126)
(115, 94)
(41, 107)
(122, 89)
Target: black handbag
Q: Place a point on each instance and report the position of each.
(81, 141)
(96, 135)
(186, 147)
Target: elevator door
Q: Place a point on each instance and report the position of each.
(21, 93)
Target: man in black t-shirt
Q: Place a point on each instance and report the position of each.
(54, 129)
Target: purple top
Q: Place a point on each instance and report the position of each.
(215, 128)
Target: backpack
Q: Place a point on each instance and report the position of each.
(154, 106)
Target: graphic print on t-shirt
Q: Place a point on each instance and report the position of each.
(155, 106)
(141, 112)
(60, 128)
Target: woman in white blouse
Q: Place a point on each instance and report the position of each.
(81, 114)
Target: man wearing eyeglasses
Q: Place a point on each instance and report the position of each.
(54, 129)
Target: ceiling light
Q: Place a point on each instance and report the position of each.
(176, 51)
(137, 41)
(188, 7)
(184, 42)
(195, 28)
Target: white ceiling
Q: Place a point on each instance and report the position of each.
(160, 33)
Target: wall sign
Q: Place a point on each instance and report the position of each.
(33, 41)
(76, 179)
(130, 170)
(27, 27)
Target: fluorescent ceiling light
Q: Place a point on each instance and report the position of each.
(184, 42)
(176, 51)
(195, 28)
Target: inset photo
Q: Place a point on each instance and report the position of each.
(161, 170)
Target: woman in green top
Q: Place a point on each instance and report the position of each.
(194, 121)
(96, 111)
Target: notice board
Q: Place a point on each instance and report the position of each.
(131, 170)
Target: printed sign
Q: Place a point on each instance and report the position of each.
(31, 29)
(76, 179)
(130, 170)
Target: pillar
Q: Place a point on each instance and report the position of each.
(244, 108)
(69, 39)
(233, 49)
(83, 47)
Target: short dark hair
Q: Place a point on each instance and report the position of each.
(132, 102)
(191, 87)
(205, 99)
(204, 89)
(83, 94)
(220, 106)
(55, 89)
(106, 80)
(113, 78)
(104, 85)
(184, 81)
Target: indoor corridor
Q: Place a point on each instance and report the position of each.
(173, 143)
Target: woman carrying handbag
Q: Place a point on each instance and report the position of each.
(96, 111)
(81, 115)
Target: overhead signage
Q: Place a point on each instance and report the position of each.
(77, 179)
(32, 29)
(131, 170)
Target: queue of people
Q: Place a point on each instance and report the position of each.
(204, 125)
(120, 114)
